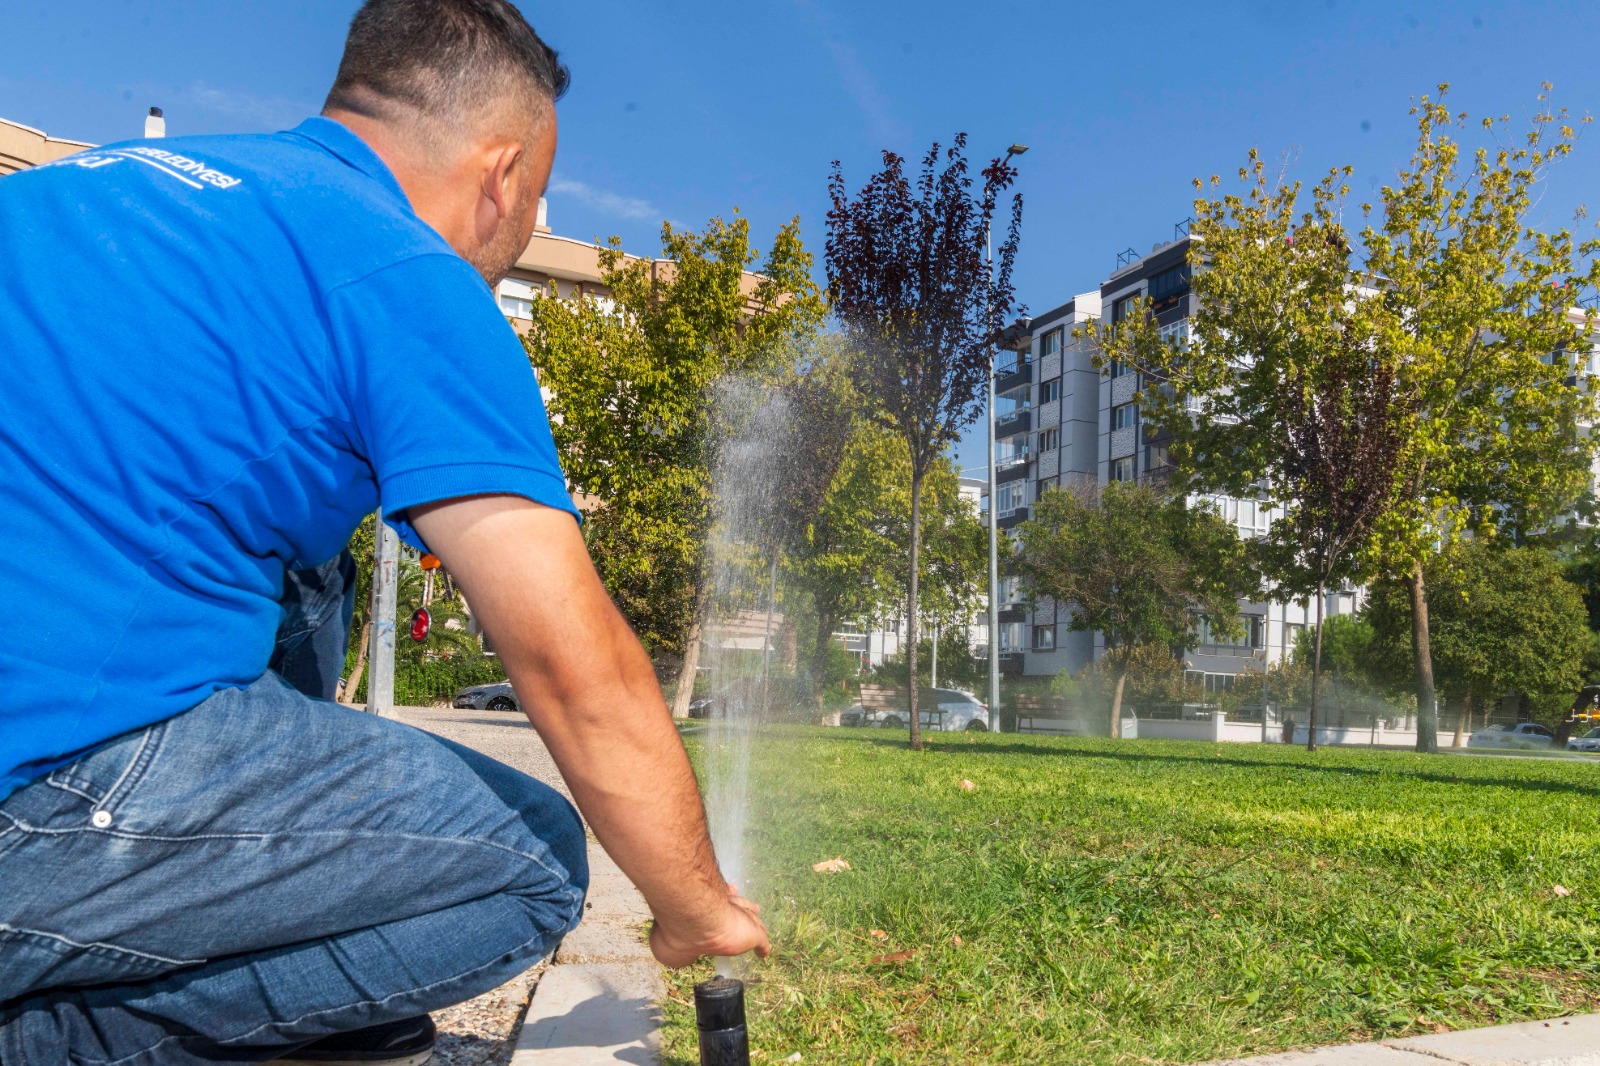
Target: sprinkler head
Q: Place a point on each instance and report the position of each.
(719, 1016)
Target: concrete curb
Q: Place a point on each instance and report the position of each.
(599, 1002)
(1559, 1042)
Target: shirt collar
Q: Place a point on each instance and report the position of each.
(340, 141)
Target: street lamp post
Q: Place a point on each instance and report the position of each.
(994, 528)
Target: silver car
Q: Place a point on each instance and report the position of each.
(1512, 735)
(495, 697)
(1590, 741)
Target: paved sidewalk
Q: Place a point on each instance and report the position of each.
(598, 1003)
(1559, 1042)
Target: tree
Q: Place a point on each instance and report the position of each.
(851, 558)
(1435, 389)
(1502, 619)
(912, 287)
(1139, 566)
(630, 378)
(1479, 307)
(1280, 391)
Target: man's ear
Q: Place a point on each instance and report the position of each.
(502, 174)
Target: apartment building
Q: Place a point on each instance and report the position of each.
(1064, 420)
(23, 146)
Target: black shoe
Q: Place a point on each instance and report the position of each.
(408, 1042)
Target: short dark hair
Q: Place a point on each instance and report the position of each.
(445, 58)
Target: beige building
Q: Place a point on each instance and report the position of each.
(23, 146)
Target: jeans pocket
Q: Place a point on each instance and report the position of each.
(109, 774)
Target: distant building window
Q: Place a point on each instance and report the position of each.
(1044, 638)
(1156, 457)
(1175, 333)
(1217, 684)
(1010, 636)
(1124, 416)
(1049, 439)
(1291, 634)
(1125, 307)
(516, 298)
(1117, 368)
(1050, 391)
(1051, 344)
(1121, 469)
(1169, 283)
(1011, 496)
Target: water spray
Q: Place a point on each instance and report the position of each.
(719, 1017)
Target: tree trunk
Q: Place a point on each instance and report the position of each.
(1116, 701)
(684, 695)
(1463, 719)
(820, 650)
(353, 682)
(911, 608)
(1316, 672)
(1422, 661)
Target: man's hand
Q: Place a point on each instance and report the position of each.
(588, 689)
(739, 929)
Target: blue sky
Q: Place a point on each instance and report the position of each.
(685, 110)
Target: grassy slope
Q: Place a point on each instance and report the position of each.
(1156, 901)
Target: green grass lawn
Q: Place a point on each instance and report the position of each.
(1096, 901)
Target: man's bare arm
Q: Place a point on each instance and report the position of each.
(589, 690)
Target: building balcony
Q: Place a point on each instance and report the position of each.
(1012, 612)
(1014, 468)
(1007, 519)
(1019, 421)
(1011, 663)
(1010, 378)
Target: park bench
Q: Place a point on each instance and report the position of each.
(1044, 713)
(897, 701)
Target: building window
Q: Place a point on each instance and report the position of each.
(1011, 403)
(1252, 634)
(1219, 683)
(1010, 590)
(1169, 283)
(1044, 638)
(1011, 636)
(1051, 344)
(1291, 635)
(1125, 307)
(516, 298)
(1050, 391)
(1175, 333)
(1012, 496)
(1117, 368)
(1121, 469)
(1049, 439)
(1124, 416)
(1156, 456)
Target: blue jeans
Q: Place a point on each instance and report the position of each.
(264, 870)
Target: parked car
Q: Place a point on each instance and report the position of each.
(750, 699)
(958, 711)
(1518, 735)
(1590, 741)
(496, 697)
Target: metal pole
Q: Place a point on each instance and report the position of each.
(380, 653)
(994, 538)
(933, 669)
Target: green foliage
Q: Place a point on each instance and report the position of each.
(851, 561)
(1502, 620)
(631, 379)
(1139, 566)
(1107, 903)
(959, 668)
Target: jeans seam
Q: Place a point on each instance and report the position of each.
(155, 838)
(101, 945)
(244, 1037)
(149, 744)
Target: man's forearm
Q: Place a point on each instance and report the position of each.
(589, 690)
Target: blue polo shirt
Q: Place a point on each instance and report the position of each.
(217, 354)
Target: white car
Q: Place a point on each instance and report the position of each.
(958, 712)
(1513, 735)
(1590, 741)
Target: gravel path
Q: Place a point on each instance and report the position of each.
(483, 1031)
